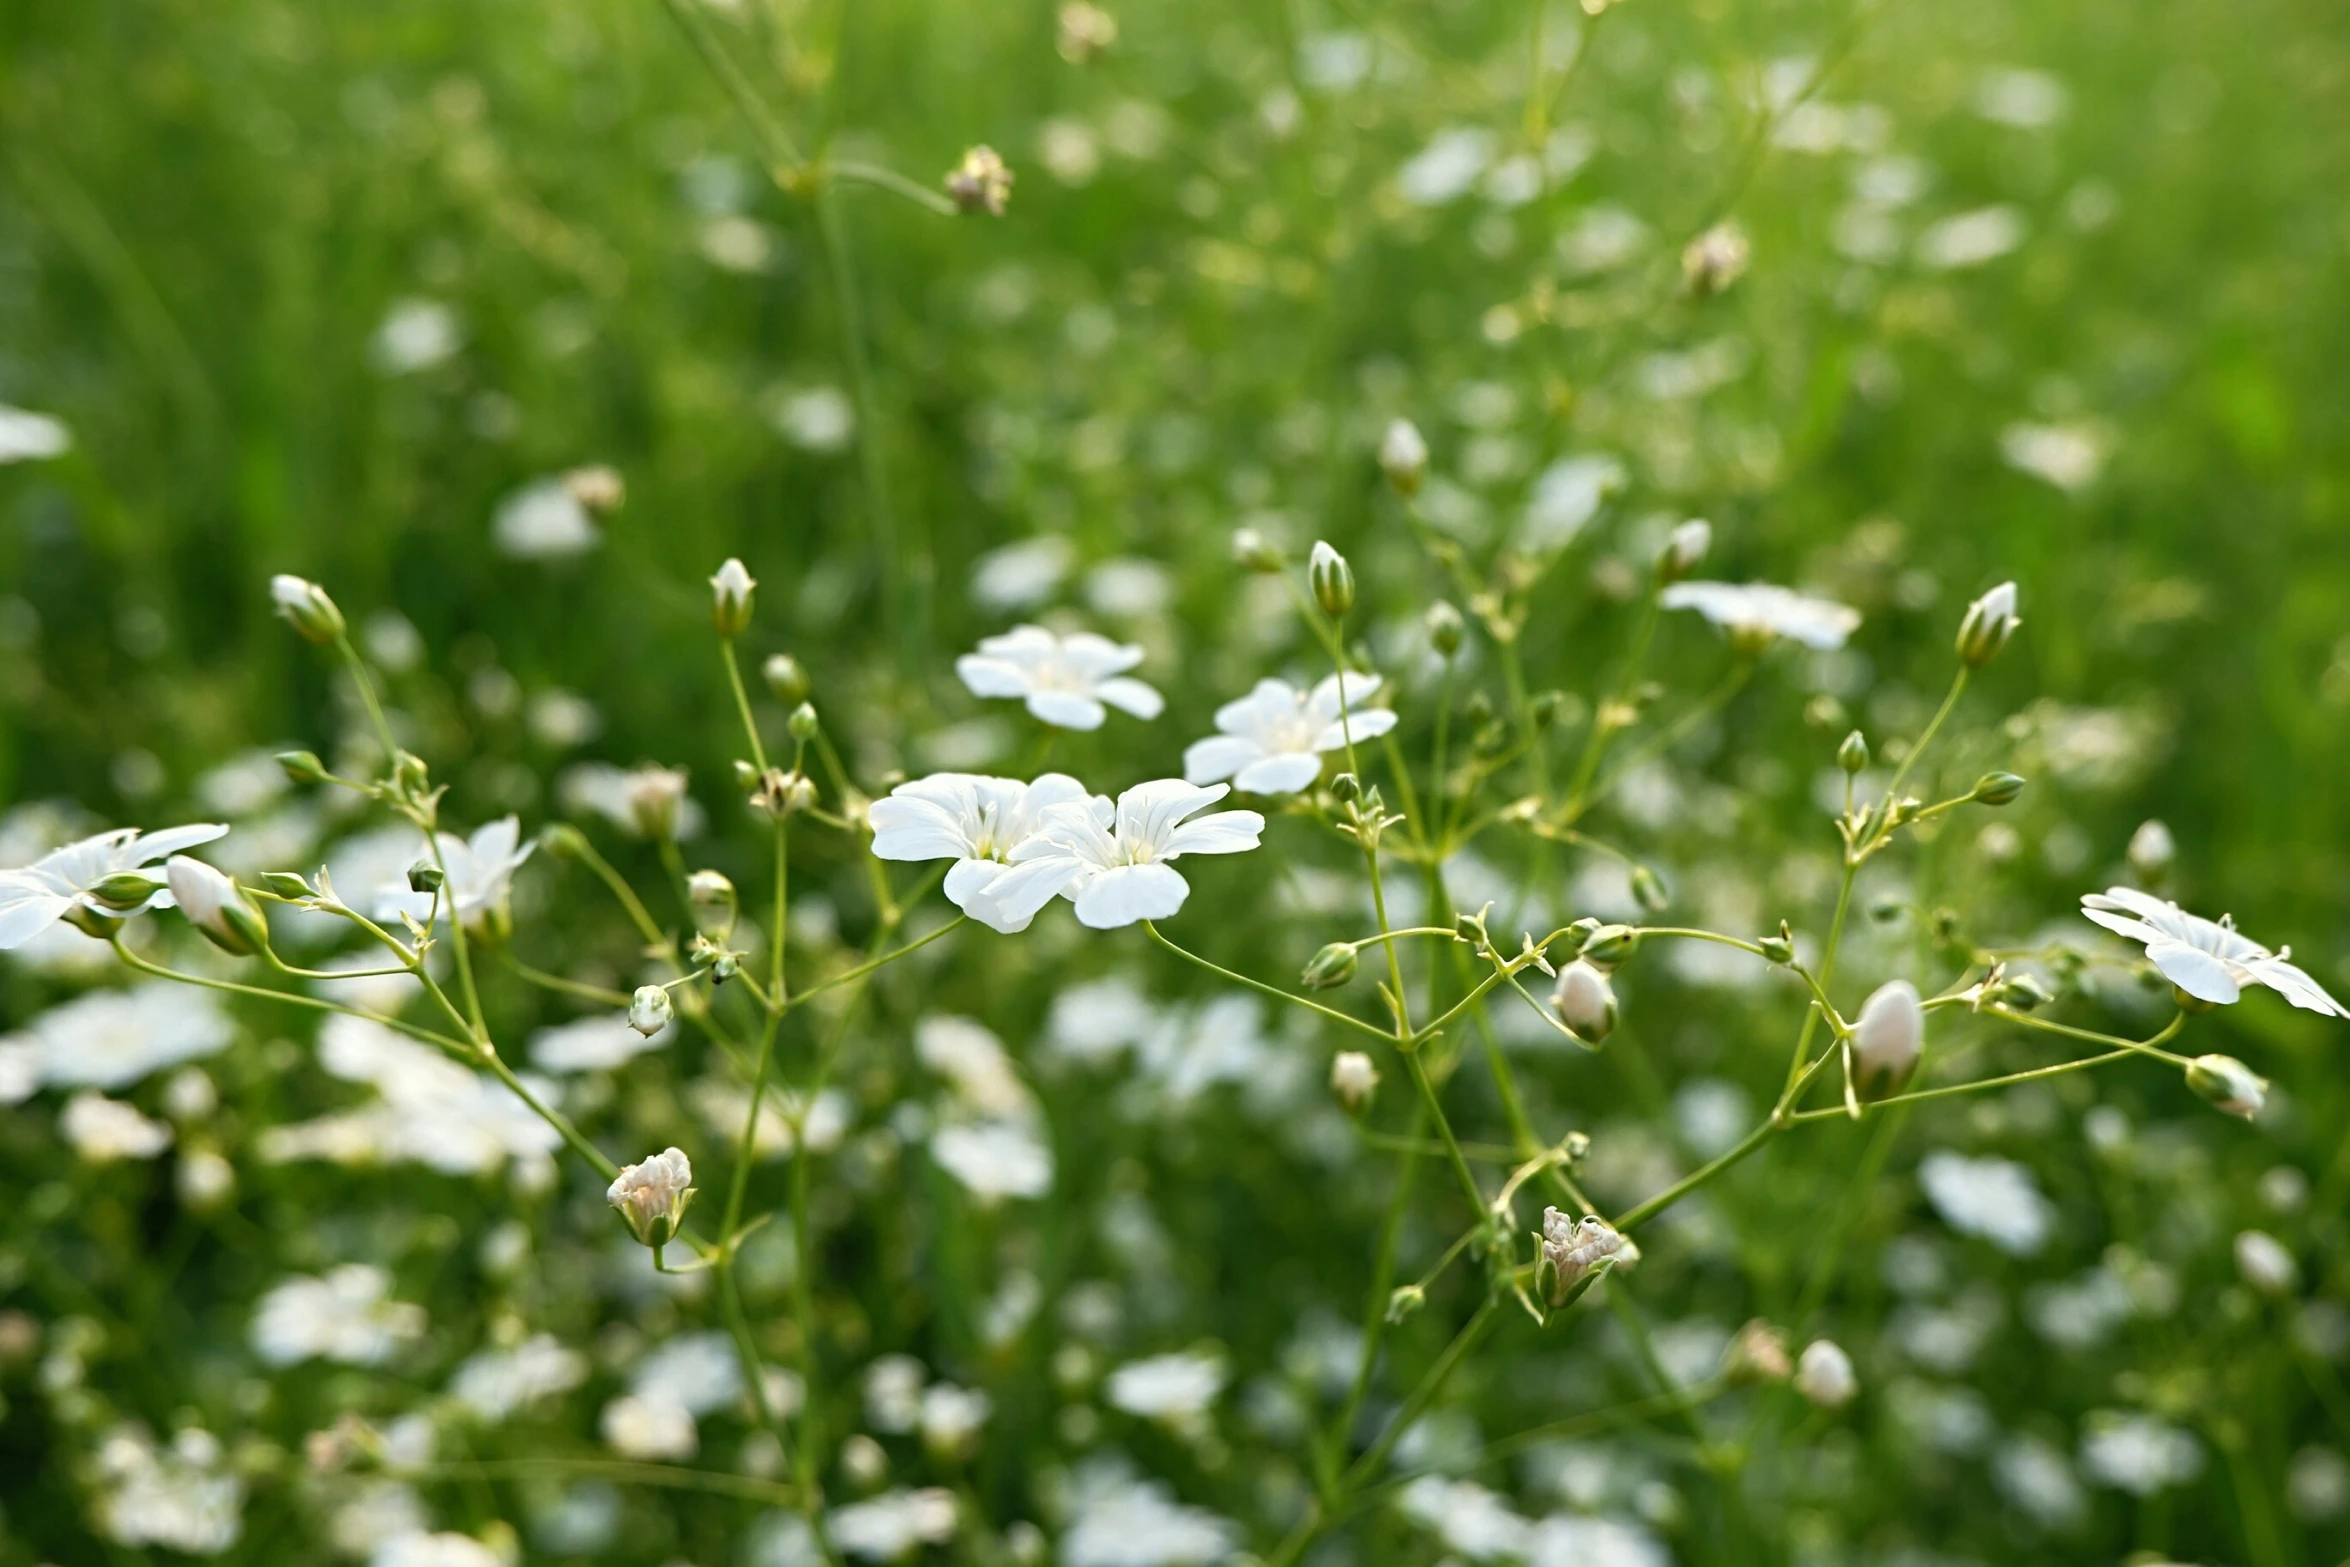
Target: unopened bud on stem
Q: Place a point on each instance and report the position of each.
(1990, 621)
(1997, 788)
(1332, 580)
(1853, 754)
(649, 1010)
(785, 678)
(1684, 547)
(1403, 457)
(1331, 967)
(731, 590)
(1886, 1040)
(306, 608)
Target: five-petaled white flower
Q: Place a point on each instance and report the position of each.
(1763, 610)
(1115, 856)
(977, 822)
(1273, 738)
(481, 869)
(1064, 680)
(36, 896)
(2208, 959)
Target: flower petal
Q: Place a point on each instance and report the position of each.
(27, 908)
(2291, 982)
(1093, 655)
(985, 675)
(1066, 709)
(2121, 925)
(1324, 702)
(1012, 900)
(172, 840)
(1218, 757)
(1369, 724)
(907, 827)
(2194, 971)
(1218, 832)
(1129, 695)
(1268, 702)
(1128, 893)
(968, 879)
(1284, 772)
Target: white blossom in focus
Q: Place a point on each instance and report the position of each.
(1273, 739)
(978, 822)
(2208, 959)
(34, 897)
(346, 1317)
(1764, 610)
(652, 1195)
(1121, 852)
(1065, 681)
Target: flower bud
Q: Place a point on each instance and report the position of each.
(1649, 888)
(785, 678)
(598, 487)
(563, 841)
(1990, 621)
(1346, 788)
(1573, 1251)
(2022, 992)
(1445, 630)
(1332, 580)
(285, 884)
(649, 1010)
(1545, 708)
(746, 776)
(1853, 754)
(2152, 850)
(1684, 547)
(306, 608)
(215, 906)
(710, 890)
(1254, 551)
(1886, 1040)
(1997, 788)
(981, 183)
(1757, 1354)
(652, 1196)
(303, 767)
(655, 796)
(126, 892)
(2229, 1084)
(730, 598)
(2266, 1265)
(1778, 948)
(1403, 457)
(804, 723)
(1576, 937)
(1405, 1301)
(1585, 1002)
(424, 876)
(90, 922)
(1609, 945)
(1714, 260)
(1331, 967)
(1353, 1078)
(1824, 1375)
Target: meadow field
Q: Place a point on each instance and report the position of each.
(1139, 784)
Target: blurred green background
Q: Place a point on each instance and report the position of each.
(2055, 293)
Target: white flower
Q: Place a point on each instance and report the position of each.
(697, 1372)
(1273, 738)
(182, 1498)
(893, 1524)
(1122, 1522)
(344, 1317)
(1353, 1078)
(1572, 1247)
(652, 1196)
(207, 898)
(113, 1038)
(481, 871)
(952, 1416)
(2069, 456)
(416, 335)
(1886, 1038)
(1175, 1387)
(1121, 852)
(1992, 1198)
(544, 520)
(2138, 1453)
(1764, 610)
(2265, 1263)
(650, 1429)
(36, 896)
(589, 1044)
(496, 1382)
(2207, 959)
(103, 1130)
(977, 822)
(1065, 681)
(994, 1159)
(27, 435)
(446, 1548)
(625, 795)
(1824, 1375)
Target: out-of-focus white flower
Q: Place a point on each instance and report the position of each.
(652, 1196)
(2152, 850)
(2138, 1453)
(1122, 851)
(416, 335)
(2037, 1479)
(1761, 611)
(1403, 456)
(1025, 572)
(203, 1179)
(649, 1429)
(26, 436)
(1353, 1078)
(893, 1393)
(2027, 100)
(1471, 1519)
(1567, 495)
(1970, 239)
(496, 1382)
(1992, 1198)
(2265, 1263)
(1886, 1039)
(697, 1372)
(34, 897)
(481, 874)
(994, 1159)
(894, 1524)
(978, 822)
(1823, 1374)
(591, 1044)
(544, 520)
(2208, 959)
(1123, 1522)
(974, 1061)
(102, 1130)
(1684, 547)
(1178, 1387)
(620, 794)
(2069, 456)
(181, 1497)
(952, 1417)
(445, 1548)
(814, 418)
(346, 1316)
(1572, 1247)
(1585, 1002)
(432, 1111)
(1065, 681)
(1274, 738)
(113, 1038)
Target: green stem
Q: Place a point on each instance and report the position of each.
(456, 1047)
(894, 182)
(1270, 990)
(742, 703)
(898, 617)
